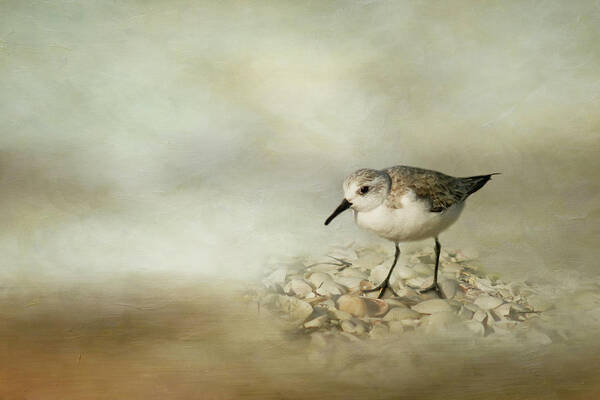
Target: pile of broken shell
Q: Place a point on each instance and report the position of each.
(325, 296)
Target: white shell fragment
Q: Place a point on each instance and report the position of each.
(329, 288)
(298, 287)
(448, 288)
(317, 322)
(486, 302)
(317, 278)
(432, 306)
(353, 305)
(403, 272)
(471, 303)
(399, 314)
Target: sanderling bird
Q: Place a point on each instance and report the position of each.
(405, 204)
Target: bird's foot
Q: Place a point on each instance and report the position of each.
(432, 288)
(381, 287)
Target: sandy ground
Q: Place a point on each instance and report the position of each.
(176, 340)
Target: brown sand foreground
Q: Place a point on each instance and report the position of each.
(189, 340)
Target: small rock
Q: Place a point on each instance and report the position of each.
(317, 322)
(399, 314)
(353, 305)
(317, 278)
(448, 288)
(486, 302)
(432, 306)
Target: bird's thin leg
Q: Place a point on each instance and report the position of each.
(385, 284)
(434, 286)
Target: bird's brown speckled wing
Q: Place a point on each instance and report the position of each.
(440, 190)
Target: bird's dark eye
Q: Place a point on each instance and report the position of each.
(364, 189)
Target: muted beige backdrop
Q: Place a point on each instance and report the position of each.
(150, 150)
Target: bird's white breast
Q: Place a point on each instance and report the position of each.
(413, 221)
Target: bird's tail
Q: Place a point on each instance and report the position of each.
(474, 183)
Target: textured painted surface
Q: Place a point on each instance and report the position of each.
(196, 140)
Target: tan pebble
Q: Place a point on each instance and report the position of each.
(353, 305)
(376, 307)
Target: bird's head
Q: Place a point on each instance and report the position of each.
(364, 190)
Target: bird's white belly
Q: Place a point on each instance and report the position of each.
(412, 222)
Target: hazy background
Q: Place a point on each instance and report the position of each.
(198, 140)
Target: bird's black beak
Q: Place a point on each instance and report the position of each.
(344, 205)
